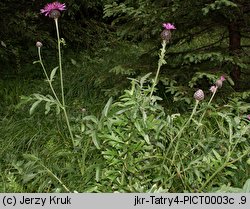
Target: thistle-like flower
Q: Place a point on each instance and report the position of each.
(166, 33)
(53, 9)
(248, 117)
(199, 95)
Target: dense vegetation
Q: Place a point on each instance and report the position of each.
(114, 123)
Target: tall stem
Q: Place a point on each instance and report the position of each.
(61, 79)
(60, 60)
(178, 135)
(182, 129)
(68, 125)
(52, 174)
(180, 132)
(160, 63)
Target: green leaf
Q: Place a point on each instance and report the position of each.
(217, 155)
(91, 118)
(3, 44)
(227, 189)
(106, 108)
(144, 79)
(47, 107)
(83, 127)
(97, 174)
(232, 166)
(58, 109)
(30, 157)
(34, 106)
(53, 72)
(35, 62)
(230, 81)
(94, 139)
(138, 126)
(39, 96)
(246, 187)
(29, 177)
(146, 138)
(248, 161)
(63, 41)
(73, 62)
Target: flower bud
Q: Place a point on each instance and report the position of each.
(199, 95)
(218, 83)
(213, 89)
(222, 78)
(166, 35)
(39, 44)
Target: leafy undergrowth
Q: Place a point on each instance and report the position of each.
(135, 145)
(143, 140)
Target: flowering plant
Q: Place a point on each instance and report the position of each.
(53, 6)
(53, 11)
(166, 36)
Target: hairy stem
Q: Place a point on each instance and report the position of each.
(160, 63)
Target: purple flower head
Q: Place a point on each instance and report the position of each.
(168, 26)
(213, 89)
(53, 6)
(248, 117)
(222, 78)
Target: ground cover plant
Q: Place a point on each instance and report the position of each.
(147, 134)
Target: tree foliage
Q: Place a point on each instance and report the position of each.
(204, 28)
(22, 25)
